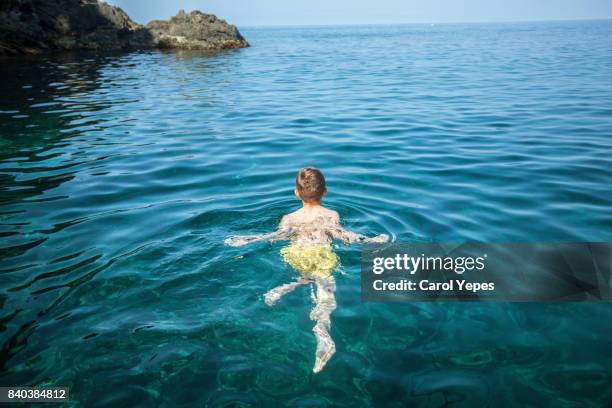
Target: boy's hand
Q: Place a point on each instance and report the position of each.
(380, 239)
(235, 241)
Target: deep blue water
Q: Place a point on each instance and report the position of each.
(122, 174)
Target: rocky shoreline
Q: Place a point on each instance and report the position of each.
(35, 26)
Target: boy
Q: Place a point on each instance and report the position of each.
(311, 230)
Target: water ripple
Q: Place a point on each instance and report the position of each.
(122, 173)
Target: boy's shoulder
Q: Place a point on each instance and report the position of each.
(288, 217)
(330, 213)
(298, 215)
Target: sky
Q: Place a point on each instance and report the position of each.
(329, 12)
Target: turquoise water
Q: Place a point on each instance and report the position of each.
(122, 174)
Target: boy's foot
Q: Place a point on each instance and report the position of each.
(271, 298)
(325, 348)
(275, 294)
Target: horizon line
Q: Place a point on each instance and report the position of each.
(419, 23)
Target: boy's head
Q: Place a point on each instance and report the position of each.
(310, 185)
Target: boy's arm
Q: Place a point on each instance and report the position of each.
(283, 232)
(240, 240)
(350, 237)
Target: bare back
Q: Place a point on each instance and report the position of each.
(314, 226)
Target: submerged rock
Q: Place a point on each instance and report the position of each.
(35, 26)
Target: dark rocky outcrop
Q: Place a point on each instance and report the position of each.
(36, 26)
(196, 30)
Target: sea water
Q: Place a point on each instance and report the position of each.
(121, 175)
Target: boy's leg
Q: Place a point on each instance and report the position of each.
(325, 305)
(273, 295)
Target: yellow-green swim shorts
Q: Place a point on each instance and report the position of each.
(315, 260)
